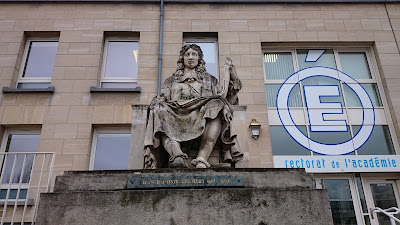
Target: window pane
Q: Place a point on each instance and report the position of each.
(272, 92)
(20, 143)
(40, 59)
(283, 144)
(33, 85)
(278, 66)
(210, 57)
(13, 194)
(355, 64)
(326, 60)
(122, 59)
(384, 198)
(118, 84)
(331, 137)
(352, 99)
(341, 201)
(379, 143)
(112, 151)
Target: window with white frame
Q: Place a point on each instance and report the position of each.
(18, 148)
(38, 63)
(357, 63)
(209, 46)
(120, 63)
(110, 149)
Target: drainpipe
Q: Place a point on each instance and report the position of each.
(160, 46)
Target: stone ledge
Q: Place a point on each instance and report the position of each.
(117, 180)
(100, 90)
(27, 90)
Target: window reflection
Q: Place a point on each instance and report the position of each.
(112, 152)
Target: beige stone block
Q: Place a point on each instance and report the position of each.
(334, 25)
(114, 13)
(389, 59)
(63, 24)
(41, 25)
(103, 24)
(84, 131)
(287, 36)
(26, 99)
(103, 114)
(77, 146)
(347, 36)
(63, 162)
(269, 36)
(295, 25)
(70, 36)
(66, 60)
(238, 25)
(267, 15)
(147, 61)
(255, 48)
(250, 60)
(393, 10)
(285, 15)
(47, 131)
(9, 99)
(92, 36)
(276, 25)
(172, 37)
(386, 47)
(327, 36)
(58, 73)
(142, 25)
(92, 73)
(63, 48)
(258, 25)
(79, 48)
(108, 98)
(34, 114)
(65, 131)
(249, 37)
(239, 49)
(51, 145)
(260, 98)
(13, 114)
(123, 114)
(302, 15)
(173, 15)
(7, 25)
(249, 86)
(181, 25)
(200, 25)
(323, 15)
(371, 24)
(74, 73)
(13, 37)
(62, 85)
(365, 36)
(307, 36)
(80, 114)
(315, 25)
(88, 60)
(83, 85)
(57, 114)
(384, 36)
(8, 60)
(24, 24)
(81, 162)
(69, 99)
(83, 24)
(352, 25)
(391, 72)
(228, 37)
(227, 15)
(220, 25)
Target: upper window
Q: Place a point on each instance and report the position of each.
(120, 63)
(38, 63)
(110, 149)
(325, 109)
(209, 46)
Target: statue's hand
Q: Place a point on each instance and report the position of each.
(227, 114)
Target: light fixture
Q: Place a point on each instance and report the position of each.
(255, 128)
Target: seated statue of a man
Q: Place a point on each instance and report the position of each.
(193, 111)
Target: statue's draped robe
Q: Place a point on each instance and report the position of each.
(181, 113)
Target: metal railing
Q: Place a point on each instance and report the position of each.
(390, 212)
(24, 175)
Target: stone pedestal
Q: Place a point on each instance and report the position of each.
(265, 196)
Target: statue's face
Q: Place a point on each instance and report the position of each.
(191, 58)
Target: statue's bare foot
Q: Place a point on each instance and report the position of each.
(179, 162)
(200, 162)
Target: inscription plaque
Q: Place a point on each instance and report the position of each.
(180, 181)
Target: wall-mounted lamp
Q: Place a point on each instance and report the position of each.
(255, 128)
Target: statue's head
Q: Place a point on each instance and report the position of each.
(191, 52)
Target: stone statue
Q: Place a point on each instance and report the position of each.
(192, 111)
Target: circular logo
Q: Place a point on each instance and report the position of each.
(368, 116)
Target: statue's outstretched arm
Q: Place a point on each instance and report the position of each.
(232, 82)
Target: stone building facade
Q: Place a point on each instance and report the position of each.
(69, 118)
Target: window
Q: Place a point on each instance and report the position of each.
(120, 63)
(110, 149)
(38, 63)
(346, 106)
(17, 164)
(209, 45)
